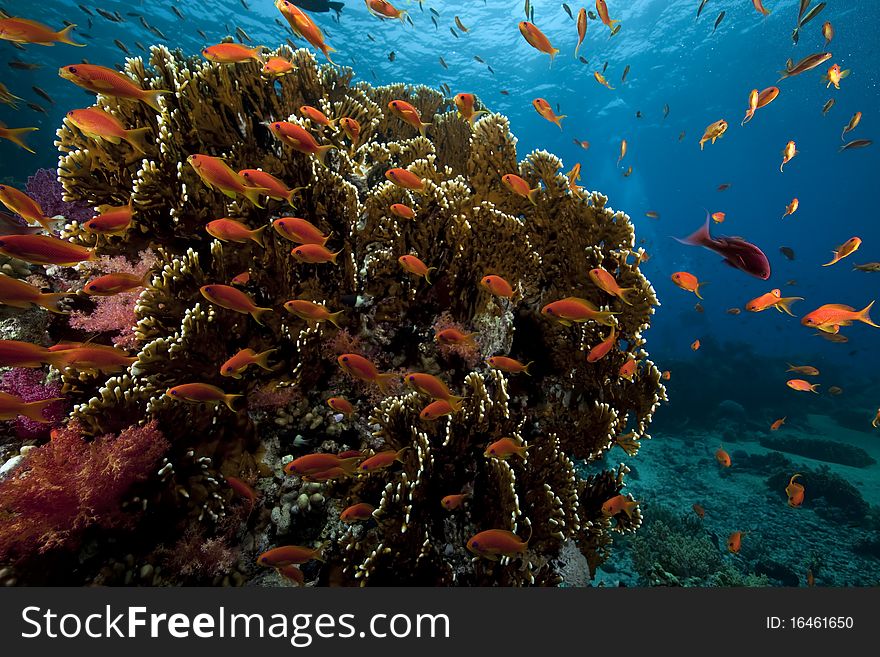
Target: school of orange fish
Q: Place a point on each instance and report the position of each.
(310, 247)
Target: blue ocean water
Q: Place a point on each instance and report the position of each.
(702, 74)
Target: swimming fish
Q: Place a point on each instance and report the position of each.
(15, 135)
(543, 108)
(858, 143)
(108, 82)
(405, 179)
(357, 513)
(408, 114)
(497, 285)
(453, 502)
(827, 106)
(312, 464)
(601, 350)
(759, 7)
(606, 282)
(436, 409)
(602, 11)
(236, 365)
(233, 299)
(22, 30)
(519, 186)
(772, 299)
(402, 211)
(452, 336)
(581, 29)
(288, 555)
(787, 251)
(719, 217)
(277, 66)
(12, 406)
(827, 32)
(807, 370)
(619, 504)
(835, 75)
(695, 345)
(44, 250)
(203, 393)
(758, 100)
(509, 365)
(304, 26)
(113, 220)
(802, 386)
(806, 64)
(853, 122)
(575, 310)
(723, 457)
(23, 205)
(698, 508)
(312, 312)
(713, 131)
(299, 230)
(688, 282)
(788, 153)
(847, 248)
(314, 254)
(114, 283)
(19, 294)
(537, 39)
(791, 208)
(737, 252)
(360, 368)
(98, 124)
(300, 139)
(494, 543)
(215, 173)
(718, 21)
(382, 460)
(777, 424)
(415, 265)
(795, 492)
(601, 80)
(504, 448)
(652, 214)
(830, 317)
(868, 266)
(276, 189)
(734, 542)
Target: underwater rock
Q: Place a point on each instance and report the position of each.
(831, 496)
(821, 450)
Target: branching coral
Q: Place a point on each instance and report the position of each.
(466, 224)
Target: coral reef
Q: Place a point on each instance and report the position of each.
(830, 451)
(466, 225)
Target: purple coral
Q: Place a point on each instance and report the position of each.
(45, 189)
(31, 385)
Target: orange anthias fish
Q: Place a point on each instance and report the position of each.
(788, 153)
(414, 265)
(718, 217)
(22, 30)
(89, 356)
(215, 173)
(853, 122)
(602, 80)
(544, 109)
(876, 421)
(312, 312)
(452, 336)
(384, 9)
(405, 179)
(113, 220)
(360, 368)
(314, 254)
(723, 457)
(232, 53)
(629, 369)
(408, 114)
(304, 26)
(606, 282)
(288, 555)
(230, 230)
(14, 353)
(18, 294)
(430, 385)
(618, 504)
(402, 211)
(827, 32)
(277, 66)
(802, 386)
(795, 492)
(623, 147)
(497, 286)
(791, 208)
(753, 105)
(759, 100)
(312, 464)
(436, 409)
(11, 407)
(713, 131)
(759, 6)
(494, 543)
(509, 365)
(601, 350)
(202, 393)
(44, 250)
(835, 75)
(537, 39)
(830, 317)
(299, 230)
(581, 28)
(520, 187)
(847, 248)
(234, 299)
(293, 573)
(777, 424)
(734, 542)
(23, 205)
(453, 502)
(382, 460)
(772, 299)
(688, 282)
(602, 10)
(699, 510)
(277, 189)
(351, 128)
(242, 489)
(504, 448)
(573, 176)
(300, 140)
(15, 136)
(574, 310)
(237, 364)
(465, 104)
(108, 82)
(806, 370)
(116, 283)
(357, 513)
(695, 345)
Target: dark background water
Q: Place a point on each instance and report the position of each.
(675, 60)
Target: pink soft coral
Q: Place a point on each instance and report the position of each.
(115, 314)
(69, 485)
(30, 385)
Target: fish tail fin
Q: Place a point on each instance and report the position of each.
(334, 317)
(137, 138)
(349, 465)
(474, 116)
(558, 120)
(258, 235)
(784, 304)
(422, 127)
(333, 256)
(701, 237)
(399, 455)
(814, 386)
(50, 300)
(34, 410)
(697, 289)
(65, 37)
(863, 315)
(321, 155)
(835, 259)
(151, 97)
(533, 195)
(14, 135)
(553, 53)
(455, 402)
(327, 50)
(258, 312)
(231, 402)
(526, 368)
(428, 274)
(384, 381)
(262, 359)
(252, 194)
(290, 196)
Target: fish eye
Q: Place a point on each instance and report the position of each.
(345, 359)
(228, 368)
(93, 287)
(173, 392)
(72, 69)
(492, 451)
(475, 544)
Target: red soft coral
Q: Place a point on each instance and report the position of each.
(69, 485)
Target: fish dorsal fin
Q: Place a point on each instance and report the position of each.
(839, 306)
